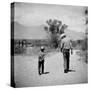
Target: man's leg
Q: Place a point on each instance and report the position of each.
(65, 62)
(68, 56)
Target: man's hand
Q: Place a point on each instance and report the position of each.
(61, 49)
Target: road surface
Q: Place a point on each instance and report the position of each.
(26, 71)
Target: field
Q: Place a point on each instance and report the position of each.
(32, 47)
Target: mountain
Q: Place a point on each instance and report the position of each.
(38, 32)
(34, 32)
(74, 35)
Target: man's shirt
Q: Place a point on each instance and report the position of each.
(66, 43)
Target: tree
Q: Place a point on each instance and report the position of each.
(55, 28)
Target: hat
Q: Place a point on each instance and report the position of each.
(42, 47)
(62, 35)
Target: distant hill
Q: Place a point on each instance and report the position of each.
(34, 32)
(74, 35)
(38, 32)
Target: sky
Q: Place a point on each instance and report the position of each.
(30, 14)
(30, 19)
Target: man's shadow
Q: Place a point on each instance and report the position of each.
(46, 72)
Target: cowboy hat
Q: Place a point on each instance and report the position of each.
(62, 35)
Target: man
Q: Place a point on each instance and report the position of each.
(66, 47)
(41, 61)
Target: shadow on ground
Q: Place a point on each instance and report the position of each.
(46, 72)
(71, 70)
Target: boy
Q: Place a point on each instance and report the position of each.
(41, 61)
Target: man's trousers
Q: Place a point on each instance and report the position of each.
(66, 56)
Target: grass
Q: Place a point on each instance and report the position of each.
(83, 55)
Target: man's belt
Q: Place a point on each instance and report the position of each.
(66, 50)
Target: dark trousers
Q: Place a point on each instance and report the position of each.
(41, 67)
(66, 56)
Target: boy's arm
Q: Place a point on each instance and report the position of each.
(45, 53)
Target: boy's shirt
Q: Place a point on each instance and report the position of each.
(41, 55)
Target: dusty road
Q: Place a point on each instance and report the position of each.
(26, 71)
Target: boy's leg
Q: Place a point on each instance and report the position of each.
(39, 67)
(43, 66)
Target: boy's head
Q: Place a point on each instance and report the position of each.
(42, 48)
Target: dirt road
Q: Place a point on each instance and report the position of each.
(26, 71)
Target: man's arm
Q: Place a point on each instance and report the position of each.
(71, 47)
(62, 45)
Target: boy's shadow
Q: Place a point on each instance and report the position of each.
(71, 71)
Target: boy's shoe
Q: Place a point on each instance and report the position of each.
(65, 71)
(40, 73)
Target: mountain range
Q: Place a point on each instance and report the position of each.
(38, 32)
